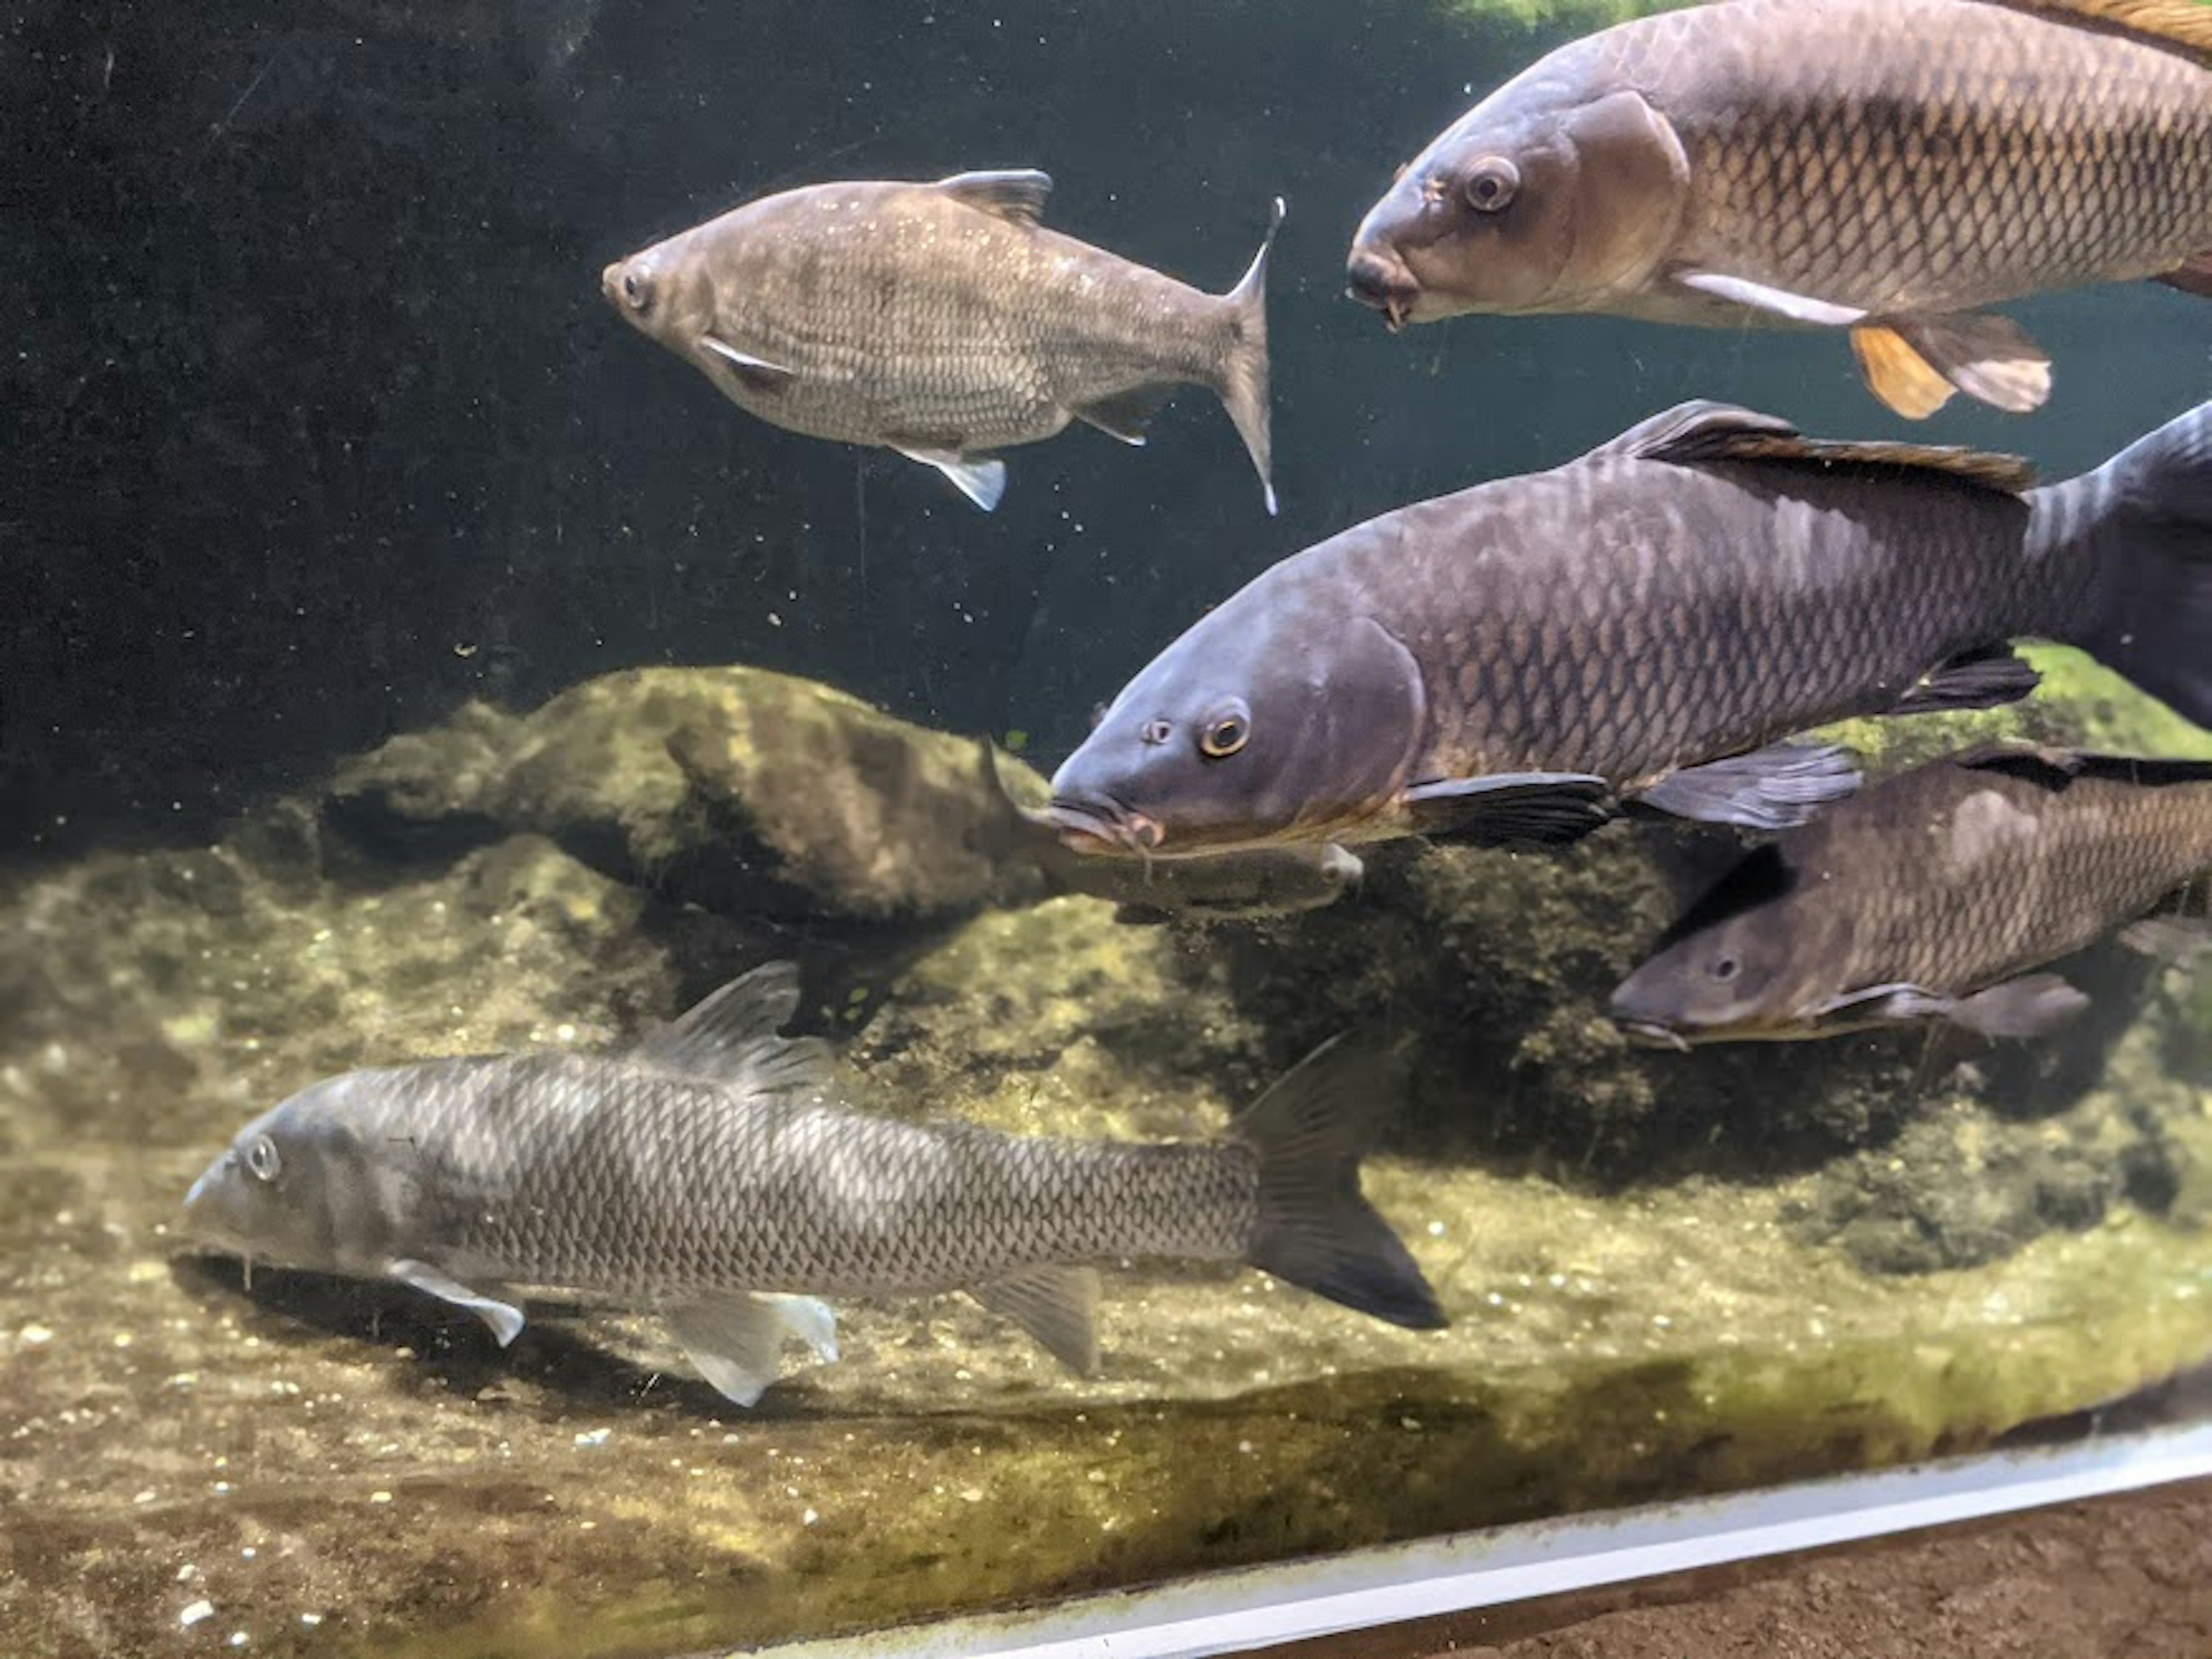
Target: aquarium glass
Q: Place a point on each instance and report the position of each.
(409, 654)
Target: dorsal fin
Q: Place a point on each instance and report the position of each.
(2183, 25)
(1018, 196)
(730, 1035)
(1694, 433)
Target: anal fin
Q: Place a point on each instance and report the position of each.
(1058, 1306)
(2169, 938)
(2192, 275)
(1125, 414)
(1979, 679)
(736, 1341)
(1776, 788)
(982, 482)
(504, 1318)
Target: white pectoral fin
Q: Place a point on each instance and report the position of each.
(736, 1341)
(504, 1318)
(755, 372)
(981, 482)
(1778, 303)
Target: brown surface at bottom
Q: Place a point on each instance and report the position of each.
(2129, 1577)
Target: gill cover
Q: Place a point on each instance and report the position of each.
(1543, 198)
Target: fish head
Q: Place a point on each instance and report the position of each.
(1263, 725)
(1743, 964)
(643, 287)
(301, 1186)
(1542, 199)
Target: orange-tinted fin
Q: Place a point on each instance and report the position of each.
(1898, 375)
(2195, 276)
(2186, 24)
(1707, 432)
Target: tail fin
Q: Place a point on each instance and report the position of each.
(1243, 386)
(1315, 1228)
(2147, 517)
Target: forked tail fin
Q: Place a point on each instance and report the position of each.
(1315, 1228)
(2145, 519)
(1244, 375)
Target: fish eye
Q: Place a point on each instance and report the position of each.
(636, 290)
(1225, 733)
(1492, 184)
(1727, 968)
(1156, 732)
(262, 1160)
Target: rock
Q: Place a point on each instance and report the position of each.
(741, 790)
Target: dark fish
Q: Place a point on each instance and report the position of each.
(709, 1174)
(1517, 662)
(1934, 896)
(944, 321)
(1888, 167)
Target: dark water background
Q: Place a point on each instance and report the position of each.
(316, 424)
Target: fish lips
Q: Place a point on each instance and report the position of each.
(1650, 1034)
(1102, 826)
(1380, 281)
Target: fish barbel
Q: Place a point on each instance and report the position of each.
(944, 321)
(708, 1173)
(1888, 167)
(1519, 662)
(1935, 895)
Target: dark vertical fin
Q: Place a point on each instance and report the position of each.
(1244, 374)
(2193, 275)
(2145, 519)
(1315, 1228)
(1058, 1306)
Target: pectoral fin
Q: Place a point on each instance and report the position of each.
(1775, 302)
(756, 372)
(981, 482)
(1912, 363)
(1512, 809)
(1058, 1306)
(2032, 1006)
(1982, 679)
(736, 1341)
(504, 1318)
(1125, 414)
(1776, 788)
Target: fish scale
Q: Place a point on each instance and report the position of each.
(562, 1171)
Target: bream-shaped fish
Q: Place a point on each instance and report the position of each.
(1888, 167)
(944, 321)
(1937, 895)
(709, 1174)
(1516, 663)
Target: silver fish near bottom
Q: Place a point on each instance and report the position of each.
(709, 1174)
(1939, 895)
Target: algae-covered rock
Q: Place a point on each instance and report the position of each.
(738, 789)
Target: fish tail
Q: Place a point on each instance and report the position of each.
(2142, 523)
(1244, 386)
(1315, 1228)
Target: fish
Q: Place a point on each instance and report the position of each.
(1643, 629)
(1252, 885)
(710, 1173)
(1939, 894)
(1889, 168)
(944, 321)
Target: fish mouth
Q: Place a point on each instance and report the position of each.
(1648, 1034)
(1381, 283)
(1101, 826)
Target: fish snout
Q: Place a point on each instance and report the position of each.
(1648, 1034)
(1379, 279)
